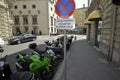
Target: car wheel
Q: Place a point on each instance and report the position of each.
(18, 42)
(34, 39)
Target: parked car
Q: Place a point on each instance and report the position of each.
(2, 42)
(21, 39)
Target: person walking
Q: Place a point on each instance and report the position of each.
(75, 38)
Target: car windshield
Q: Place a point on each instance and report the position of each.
(27, 35)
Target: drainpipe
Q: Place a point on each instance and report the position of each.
(88, 3)
(113, 25)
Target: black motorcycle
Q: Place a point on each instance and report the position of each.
(7, 74)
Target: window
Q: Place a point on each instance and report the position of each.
(29, 11)
(25, 19)
(51, 20)
(16, 20)
(26, 29)
(51, 29)
(33, 6)
(20, 12)
(81, 24)
(51, 8)
(24, 7)
(54, 22)
(55, 29)
(34, 19)
(18, 32)
(38, 11)
(15, 7)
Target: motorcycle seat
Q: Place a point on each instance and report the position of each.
(22, 76)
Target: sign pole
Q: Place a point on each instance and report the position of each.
(64, 9)
(65, 57)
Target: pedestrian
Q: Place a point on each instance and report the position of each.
(75, 38)
(40, 32)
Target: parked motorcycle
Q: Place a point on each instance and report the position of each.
(68, 41)
(56, 47)
(48, 52)
(40, 66)
(5, 70)
(7, 74)
(22, 76)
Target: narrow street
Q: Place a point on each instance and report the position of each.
(84, 62)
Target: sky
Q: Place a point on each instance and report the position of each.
(79, 3)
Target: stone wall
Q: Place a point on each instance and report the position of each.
(110, 30)
(106, 7)
(116, 46)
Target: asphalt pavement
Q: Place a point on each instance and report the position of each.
(84, 62)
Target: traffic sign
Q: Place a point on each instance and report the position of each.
(65, 23)
(65, 8)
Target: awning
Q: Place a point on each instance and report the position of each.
(87, 22)
(96, 14)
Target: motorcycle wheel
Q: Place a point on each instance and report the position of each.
(54, 62)
(46, 75)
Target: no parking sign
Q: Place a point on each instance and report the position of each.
(65, 8)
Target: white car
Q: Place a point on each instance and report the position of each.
(2, 42)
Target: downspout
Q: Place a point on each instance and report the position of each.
(113, 25)
(88, 3)
(48, 17)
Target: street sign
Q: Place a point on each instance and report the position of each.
(65, 8)
(65, 23)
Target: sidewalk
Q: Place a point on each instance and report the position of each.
(84, 63)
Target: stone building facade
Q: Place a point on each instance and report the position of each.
(5, 19)
(108, 25)
(34, 16)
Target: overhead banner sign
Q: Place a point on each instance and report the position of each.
(66, 23)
